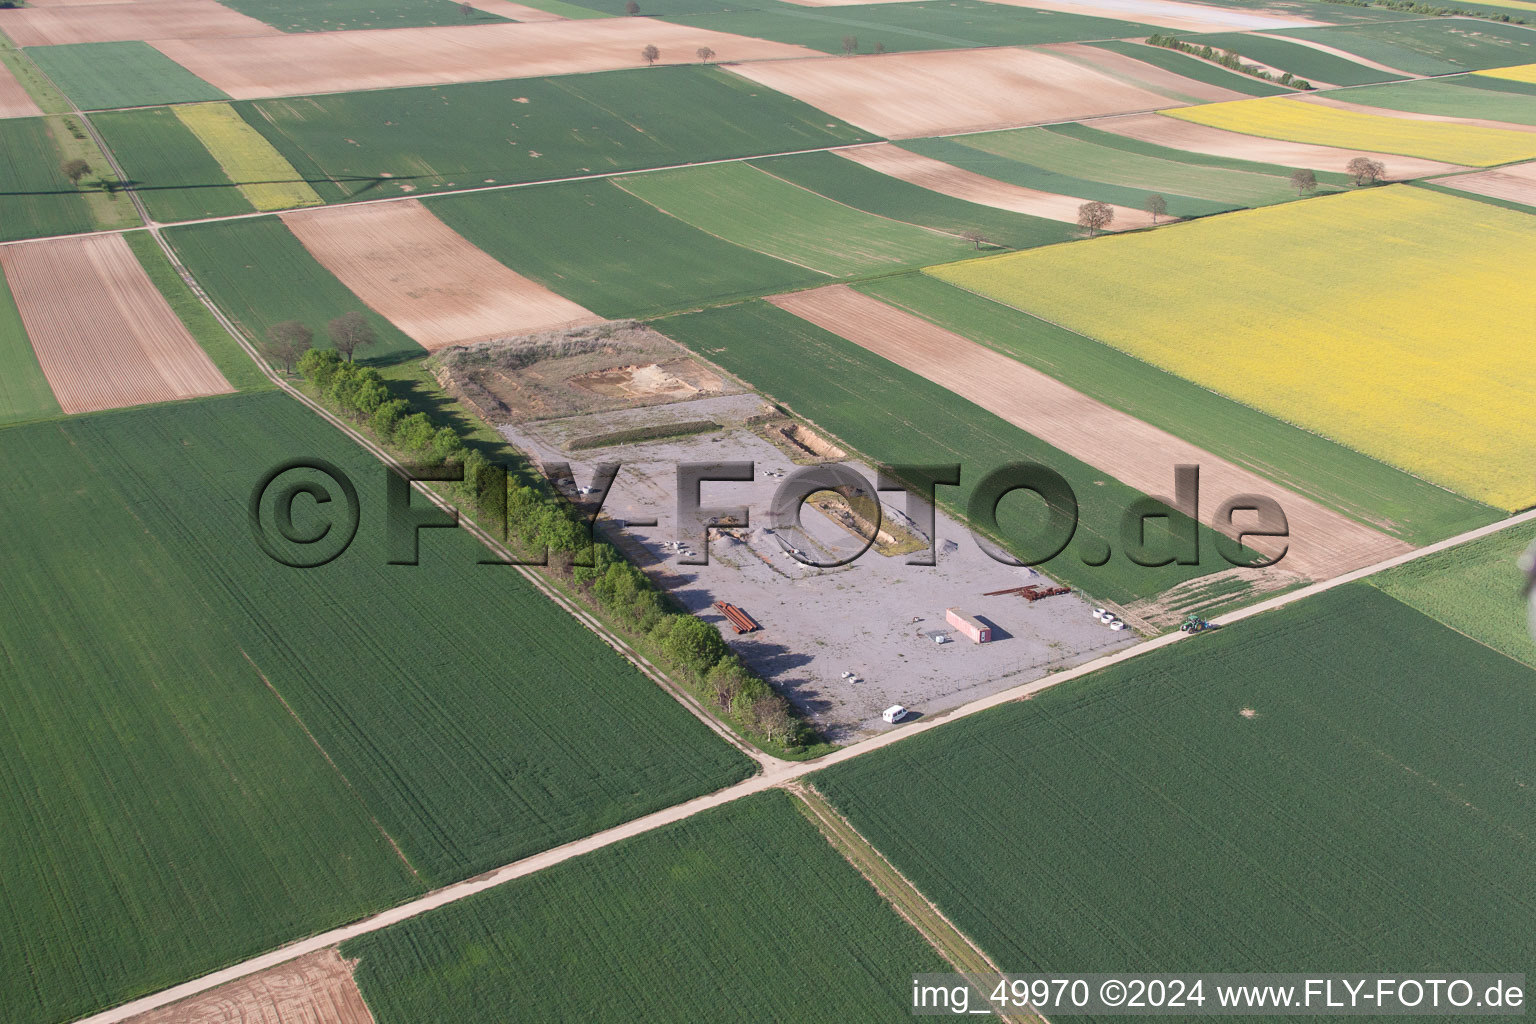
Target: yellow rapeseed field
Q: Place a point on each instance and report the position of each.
(1522, 73)
(1395, 320)
(1278, 117)
(263, 175)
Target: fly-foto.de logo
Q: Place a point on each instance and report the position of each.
(305, 513)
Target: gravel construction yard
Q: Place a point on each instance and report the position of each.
(874, 618)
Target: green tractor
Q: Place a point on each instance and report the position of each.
(1195, 624)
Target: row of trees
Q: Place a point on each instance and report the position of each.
(1414, 7)
(1095, 216)
(287, 342)
(538, 518)
(1227, 59)
(651, 54)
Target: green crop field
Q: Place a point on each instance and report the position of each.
(911, 26)
(968, 152)
(173, 173)
(895, 417)
(237, 367)
(633, 926)
(1077, 130)
(36, 199)
(24, 391)
(1340, 478)
(398, 141)
(1435, 46)
(260, 275)
(1079, 153)
(747, 206)
(867, 189)
(1452, 97)
(224, 756)
(598, 245)
(1340, 781)
(1302, 61)
(98, 76)
(1475, 589)
(1192, 68)
(341, 15)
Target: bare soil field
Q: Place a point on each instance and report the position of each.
(1148, 76)
(106, 23)
(314, 989)
(104, 336)
(14, 100)
(615, 364)
(1322, 543)
(423, 276)
(1361, 108)
(949, 180)
(319, 62)
(1171, 14)
(1165, 13)
(1198, 138)
(1516, 184)
(905, 95)
(517, 12)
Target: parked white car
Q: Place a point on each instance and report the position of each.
(894, 713)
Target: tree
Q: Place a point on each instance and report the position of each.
(75, 169)
(1304, 181)
(650, 54)
(467, 10)
(1156, 205)
(1095, 216)
(287, 342)
(879, 47)
(350, 332)
(850, 44)
(705, 54)
(1365, 171)
(632, 8)
(976, 238)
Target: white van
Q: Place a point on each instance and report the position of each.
(894, 713)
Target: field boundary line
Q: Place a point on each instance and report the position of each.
(328, 760)
(898, 890)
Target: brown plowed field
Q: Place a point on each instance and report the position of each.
(937, 176)
(14, 100)
(105, 23)
(103, 334)
(1148, 76)
(904, 95)
(1516, 184)
(1199, 138)
(1171, 14)
(314, 989)
(317, 62)
(1322, 543)
(424, 278)
(517, 12)
(1165, 13)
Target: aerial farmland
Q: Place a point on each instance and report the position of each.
(766, 510)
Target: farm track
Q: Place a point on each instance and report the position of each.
(952, 944)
